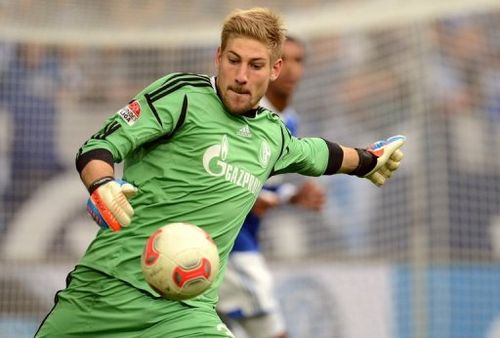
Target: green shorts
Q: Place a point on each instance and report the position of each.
(97, 305)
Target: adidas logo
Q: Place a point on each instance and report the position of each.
(245, 131)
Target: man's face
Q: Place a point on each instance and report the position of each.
(292, 70)
(244, 70)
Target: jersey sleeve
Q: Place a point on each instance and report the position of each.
(307, 156)
(148, 117)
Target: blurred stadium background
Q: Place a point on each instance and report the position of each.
(419, 258)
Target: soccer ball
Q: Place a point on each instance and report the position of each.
(180, 261)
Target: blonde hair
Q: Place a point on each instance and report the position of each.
(256, 23)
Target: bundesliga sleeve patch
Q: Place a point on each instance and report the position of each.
(131, 112)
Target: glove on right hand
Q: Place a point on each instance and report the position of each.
(108, 203)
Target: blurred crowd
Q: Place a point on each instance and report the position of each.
(439, 83)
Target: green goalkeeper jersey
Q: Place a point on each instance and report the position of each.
(193, 161)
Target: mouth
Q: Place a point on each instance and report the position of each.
(239, 91)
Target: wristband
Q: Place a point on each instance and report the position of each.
(367, 161)
(97, 183)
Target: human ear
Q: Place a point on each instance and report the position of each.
(276, 69)
(218, 58)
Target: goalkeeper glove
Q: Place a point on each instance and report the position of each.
(387, 157)
(108, 203)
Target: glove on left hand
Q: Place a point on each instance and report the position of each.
(388, 157)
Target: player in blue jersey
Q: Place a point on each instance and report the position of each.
(246, 295)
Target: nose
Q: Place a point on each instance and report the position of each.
(241, 75)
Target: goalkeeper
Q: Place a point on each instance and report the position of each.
(196, 149)
(246, 296)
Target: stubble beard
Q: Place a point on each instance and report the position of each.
(235, 106)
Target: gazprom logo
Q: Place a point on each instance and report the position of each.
(217, 154)
(215, 164)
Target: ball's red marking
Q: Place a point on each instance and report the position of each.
(181, 276)
(150, 253)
